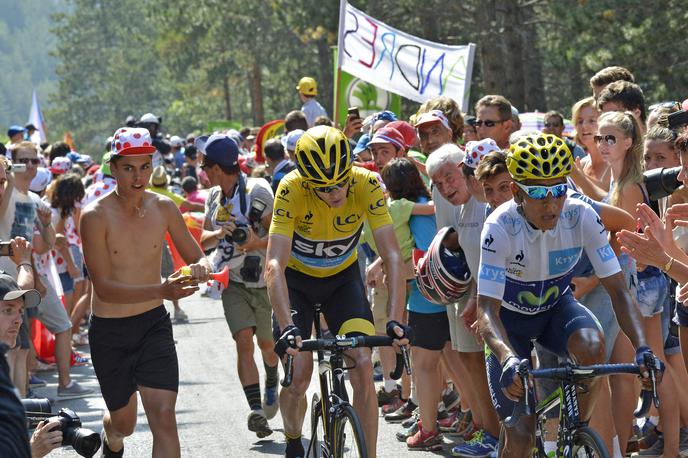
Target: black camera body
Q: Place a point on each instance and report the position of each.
(661, 182)
(242, 231)
(84, 441)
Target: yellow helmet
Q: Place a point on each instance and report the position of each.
(307, 86)
(323, 156)
(539, 157)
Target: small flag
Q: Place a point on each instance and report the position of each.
(36, 118)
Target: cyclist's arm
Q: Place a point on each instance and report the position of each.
(388, 248)
(279, 250)
(491, 329)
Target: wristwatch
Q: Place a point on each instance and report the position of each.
(667, 266)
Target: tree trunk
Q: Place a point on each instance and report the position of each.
(256, 88)
(227, 98)
(325, 77)
(509, 21)
(533, 82)
(489, 53)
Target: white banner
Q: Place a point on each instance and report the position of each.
(401, 63)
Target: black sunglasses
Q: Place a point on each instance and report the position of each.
(608, 139)
(551, 125)
(488, 122)
(26, 160)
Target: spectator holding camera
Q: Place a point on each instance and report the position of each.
(237, 216)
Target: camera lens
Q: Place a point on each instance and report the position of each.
(240, 235)
(37, 405)
(84, 441)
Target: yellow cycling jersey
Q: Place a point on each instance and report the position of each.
(324, 239)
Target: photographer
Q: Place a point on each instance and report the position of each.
(237, 216)
(13, 438)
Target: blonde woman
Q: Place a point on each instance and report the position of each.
(585, 114)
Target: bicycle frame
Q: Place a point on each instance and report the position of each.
(566, 397)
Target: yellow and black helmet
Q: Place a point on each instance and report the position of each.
(539, 157)
(323, 156)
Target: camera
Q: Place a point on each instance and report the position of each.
(250, 272)
(16, 168)
(678, 119)
(256, 211)
(239, 235)
(661, 182)
(6, 249)
(84, 441)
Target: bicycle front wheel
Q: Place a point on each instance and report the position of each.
(349, 439)
(588, 444)
(317, 447)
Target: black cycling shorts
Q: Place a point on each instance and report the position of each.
(133, 351)
(342, 300)
(430, 330)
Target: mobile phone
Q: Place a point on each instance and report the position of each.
(353, 112)
(17, 168)
(6, 249)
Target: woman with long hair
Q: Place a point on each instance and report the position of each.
(585, 114)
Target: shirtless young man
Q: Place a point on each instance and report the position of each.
(131, 334)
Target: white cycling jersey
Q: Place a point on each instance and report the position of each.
(529, 269)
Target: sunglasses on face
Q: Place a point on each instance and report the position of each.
(334, 187)
(27, 160)
(488, 122)
(541, 192)
(608, 139)
(552, 125)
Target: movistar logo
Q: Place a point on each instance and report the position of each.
(527, 297)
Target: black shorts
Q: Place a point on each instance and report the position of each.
(430, 330)
(133, 351)
(342, 300)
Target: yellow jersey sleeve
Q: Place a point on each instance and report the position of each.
(287, 201)
(377, 212)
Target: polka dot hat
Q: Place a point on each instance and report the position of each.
(477, 149)
(131, 141)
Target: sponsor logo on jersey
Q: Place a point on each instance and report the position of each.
(510, 224)
(492, 273)
(605, 253)
(518, 259)
(346, 223)
(599, 221)
(561, 261)
(489, 240)
(328, 251)
(374, 183)
(282, 194)
(282, 212)
(308, 216)
(570, 217)
(379, 207)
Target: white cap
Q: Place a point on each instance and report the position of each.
(150, 118)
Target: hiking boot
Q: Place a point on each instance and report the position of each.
(402, 413)
(73, 391)
(384, 397)
(407, 431)
(425, 440)
(258, 423)
(270, 402)
(481, 445)
(392, 406)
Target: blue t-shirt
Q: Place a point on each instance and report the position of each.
(423, 229)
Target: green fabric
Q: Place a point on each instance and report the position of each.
(400, 211)
(176, 198)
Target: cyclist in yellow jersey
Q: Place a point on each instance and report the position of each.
(317, 219)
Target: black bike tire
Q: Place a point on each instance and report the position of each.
(347, 414)
(317, 428)
(588, 437)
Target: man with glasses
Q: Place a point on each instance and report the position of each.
(28, 214)
(237, 217)
(494, 119)
(554, 125)
(319, 213)
(529, 249)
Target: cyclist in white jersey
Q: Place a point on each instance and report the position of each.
(528, 251)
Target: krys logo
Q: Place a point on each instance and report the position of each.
(346, 223)
(561, 261)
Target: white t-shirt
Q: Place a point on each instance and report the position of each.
(529, 269)
(468, 222)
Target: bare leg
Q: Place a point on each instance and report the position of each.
(160, 411)
(18, 363)
(428, 385)
(82, 306)
(267, 349)
(293, 402)
(586, 346)
(603, 421)
(119, 424)
(246, 365)
(63, 352)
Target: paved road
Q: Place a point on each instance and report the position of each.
(211, 408)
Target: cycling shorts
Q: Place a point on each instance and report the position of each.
(342, 300)
(551, 329)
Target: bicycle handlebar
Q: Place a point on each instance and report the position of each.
(341, 344)
(575, 374)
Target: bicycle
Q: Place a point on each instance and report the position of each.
(574, 438)
(336, 430)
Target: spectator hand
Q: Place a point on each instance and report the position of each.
(46, 437)
(60, 241)
(375, 274)
(644, 248)
(352, 126)
(678, 213)
(682, 296)
(178, 286)
(21, 251)
(45, 216)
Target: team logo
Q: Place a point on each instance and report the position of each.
(375, 207)
(489, 240)
(518, 259)
(346, 223)
(283, 212)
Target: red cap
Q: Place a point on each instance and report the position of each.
(388, 135)
(407, 130)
